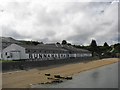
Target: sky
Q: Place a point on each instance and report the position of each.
(51, 21)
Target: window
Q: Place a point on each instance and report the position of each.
(28, 51)
(52, 55)
(48, 55)
(45, 55)
(8, 56)
(6, 53)
(40, 55)
(34, 51)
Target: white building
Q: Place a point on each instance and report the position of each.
(14, 52)
(42, 52)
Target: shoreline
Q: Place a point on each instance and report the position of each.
(23, 79)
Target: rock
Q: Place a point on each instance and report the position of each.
(47, 82)
(42, 83)
(57, 81)
(50, 78)
(47, 74)
(57, 76)
(68, 78)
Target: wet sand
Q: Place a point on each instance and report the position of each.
(23, 79)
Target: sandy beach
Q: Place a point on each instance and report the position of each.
(23, 79)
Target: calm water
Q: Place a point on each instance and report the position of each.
(103, 77)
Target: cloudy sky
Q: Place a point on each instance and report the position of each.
(52, 21)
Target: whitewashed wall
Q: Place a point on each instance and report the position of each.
(27, 56)
(12, 49)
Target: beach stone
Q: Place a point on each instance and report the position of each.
(47, 74)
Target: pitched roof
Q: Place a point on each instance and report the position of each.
(44, 47)
(73, 49)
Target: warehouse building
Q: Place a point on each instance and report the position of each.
(42, 52)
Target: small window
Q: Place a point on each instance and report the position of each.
(34, 50)
(8, 56)
(45, 55)
(28, 51)
(6, 53)
(48, 55)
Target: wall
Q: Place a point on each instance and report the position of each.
(32, 64)
(10, 49)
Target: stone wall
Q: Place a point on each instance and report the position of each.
(25, 65)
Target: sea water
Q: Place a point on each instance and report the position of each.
(102, 77)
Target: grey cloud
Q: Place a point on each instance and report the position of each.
(44, 40)
(106, 23)
(91, 8)
(83, 35)
(109, 36)
(78, 39)
(85, 31)
(74, 7)
(50, 33)
(7, 31)
(49, 19)
(118, 36)
(20, 10)
(45, 26)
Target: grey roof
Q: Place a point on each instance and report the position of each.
(73, 49)
(44, 47)
(65, 47)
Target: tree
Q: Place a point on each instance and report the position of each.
(57, 43)
(64, 42)
(69, 44)
(117, 48)
(105, 48)
(93, 43)
(41, 43)
(93, 48)
(105, 44)
(35, 42)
